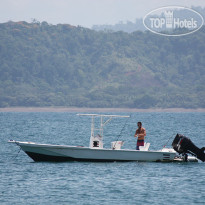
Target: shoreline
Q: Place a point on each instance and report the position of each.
(77, 109)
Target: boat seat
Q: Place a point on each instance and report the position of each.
(116, 145)
(145, 147)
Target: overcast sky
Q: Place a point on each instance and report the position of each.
(84, 12)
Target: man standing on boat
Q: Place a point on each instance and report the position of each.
(140, 133)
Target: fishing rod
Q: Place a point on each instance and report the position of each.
(167, 141)
(120, 134)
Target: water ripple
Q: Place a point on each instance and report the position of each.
(26, 182)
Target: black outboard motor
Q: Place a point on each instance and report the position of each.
(184, 145)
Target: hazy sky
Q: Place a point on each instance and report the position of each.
(84, 12)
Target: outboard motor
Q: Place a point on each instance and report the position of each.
(184, 145)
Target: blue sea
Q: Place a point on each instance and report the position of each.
(23, 181)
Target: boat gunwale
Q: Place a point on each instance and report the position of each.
(32, 144)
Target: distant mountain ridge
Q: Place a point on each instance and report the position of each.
(138, 25)
(63, 65)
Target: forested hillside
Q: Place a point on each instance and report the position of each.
(62, 65)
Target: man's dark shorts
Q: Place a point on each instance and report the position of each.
(139, 143)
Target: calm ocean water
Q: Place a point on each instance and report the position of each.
(23, 181)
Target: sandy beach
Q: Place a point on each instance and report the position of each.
(75, 109)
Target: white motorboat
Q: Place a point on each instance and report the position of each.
(95, 152)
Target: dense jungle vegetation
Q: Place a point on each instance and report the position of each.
(63, 65)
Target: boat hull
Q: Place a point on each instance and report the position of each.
(60, 153)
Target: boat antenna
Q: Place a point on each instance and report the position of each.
(120, 133)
